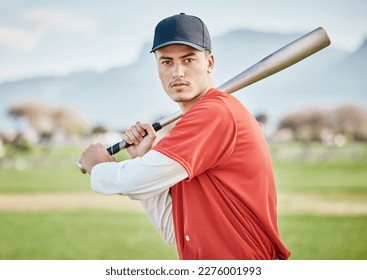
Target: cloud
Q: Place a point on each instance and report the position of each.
(26, 30)
(59, 19)
(20, 38)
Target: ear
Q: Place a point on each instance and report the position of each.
(210, 58)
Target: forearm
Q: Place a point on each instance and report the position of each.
(139, 178)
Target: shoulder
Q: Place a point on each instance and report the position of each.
(214, 104)
(215, 96)
(212, 114)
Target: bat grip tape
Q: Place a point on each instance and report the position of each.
(123, 144)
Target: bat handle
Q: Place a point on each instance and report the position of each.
(118, 147)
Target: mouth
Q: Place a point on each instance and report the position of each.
(178, 84)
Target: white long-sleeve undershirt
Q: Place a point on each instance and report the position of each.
(148, 179)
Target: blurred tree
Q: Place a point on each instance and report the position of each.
(351, 121)
(47, 121)
(311, 124)
(70, 121)
(99, 129)
(37, 115)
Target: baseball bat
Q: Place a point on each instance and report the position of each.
(281, 59)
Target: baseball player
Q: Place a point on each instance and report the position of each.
(208, 186)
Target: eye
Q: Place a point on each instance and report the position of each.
(166, 62)
(189, 59)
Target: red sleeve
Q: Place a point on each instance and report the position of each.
(202, 139)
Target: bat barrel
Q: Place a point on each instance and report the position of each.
(170, 118)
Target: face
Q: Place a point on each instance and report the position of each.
(184, 73)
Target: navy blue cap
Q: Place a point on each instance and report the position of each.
(182, 29)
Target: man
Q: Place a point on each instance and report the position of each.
(208, 186)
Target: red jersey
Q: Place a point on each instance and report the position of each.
(226, 208)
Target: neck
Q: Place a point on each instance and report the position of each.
(185, 106)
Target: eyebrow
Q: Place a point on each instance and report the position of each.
(181, 57)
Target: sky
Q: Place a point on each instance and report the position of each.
(44, 37)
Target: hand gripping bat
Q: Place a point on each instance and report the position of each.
(281, 59)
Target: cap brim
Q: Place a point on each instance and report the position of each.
(197, 47)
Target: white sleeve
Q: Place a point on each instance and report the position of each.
(147, 179)
(139, 178)
(159, 210)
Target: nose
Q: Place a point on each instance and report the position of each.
(178, 71)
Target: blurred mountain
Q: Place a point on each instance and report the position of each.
(122, 95)
(352, 72)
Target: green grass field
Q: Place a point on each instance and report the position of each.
(113, 234)
(80, 235)
(43, 170)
